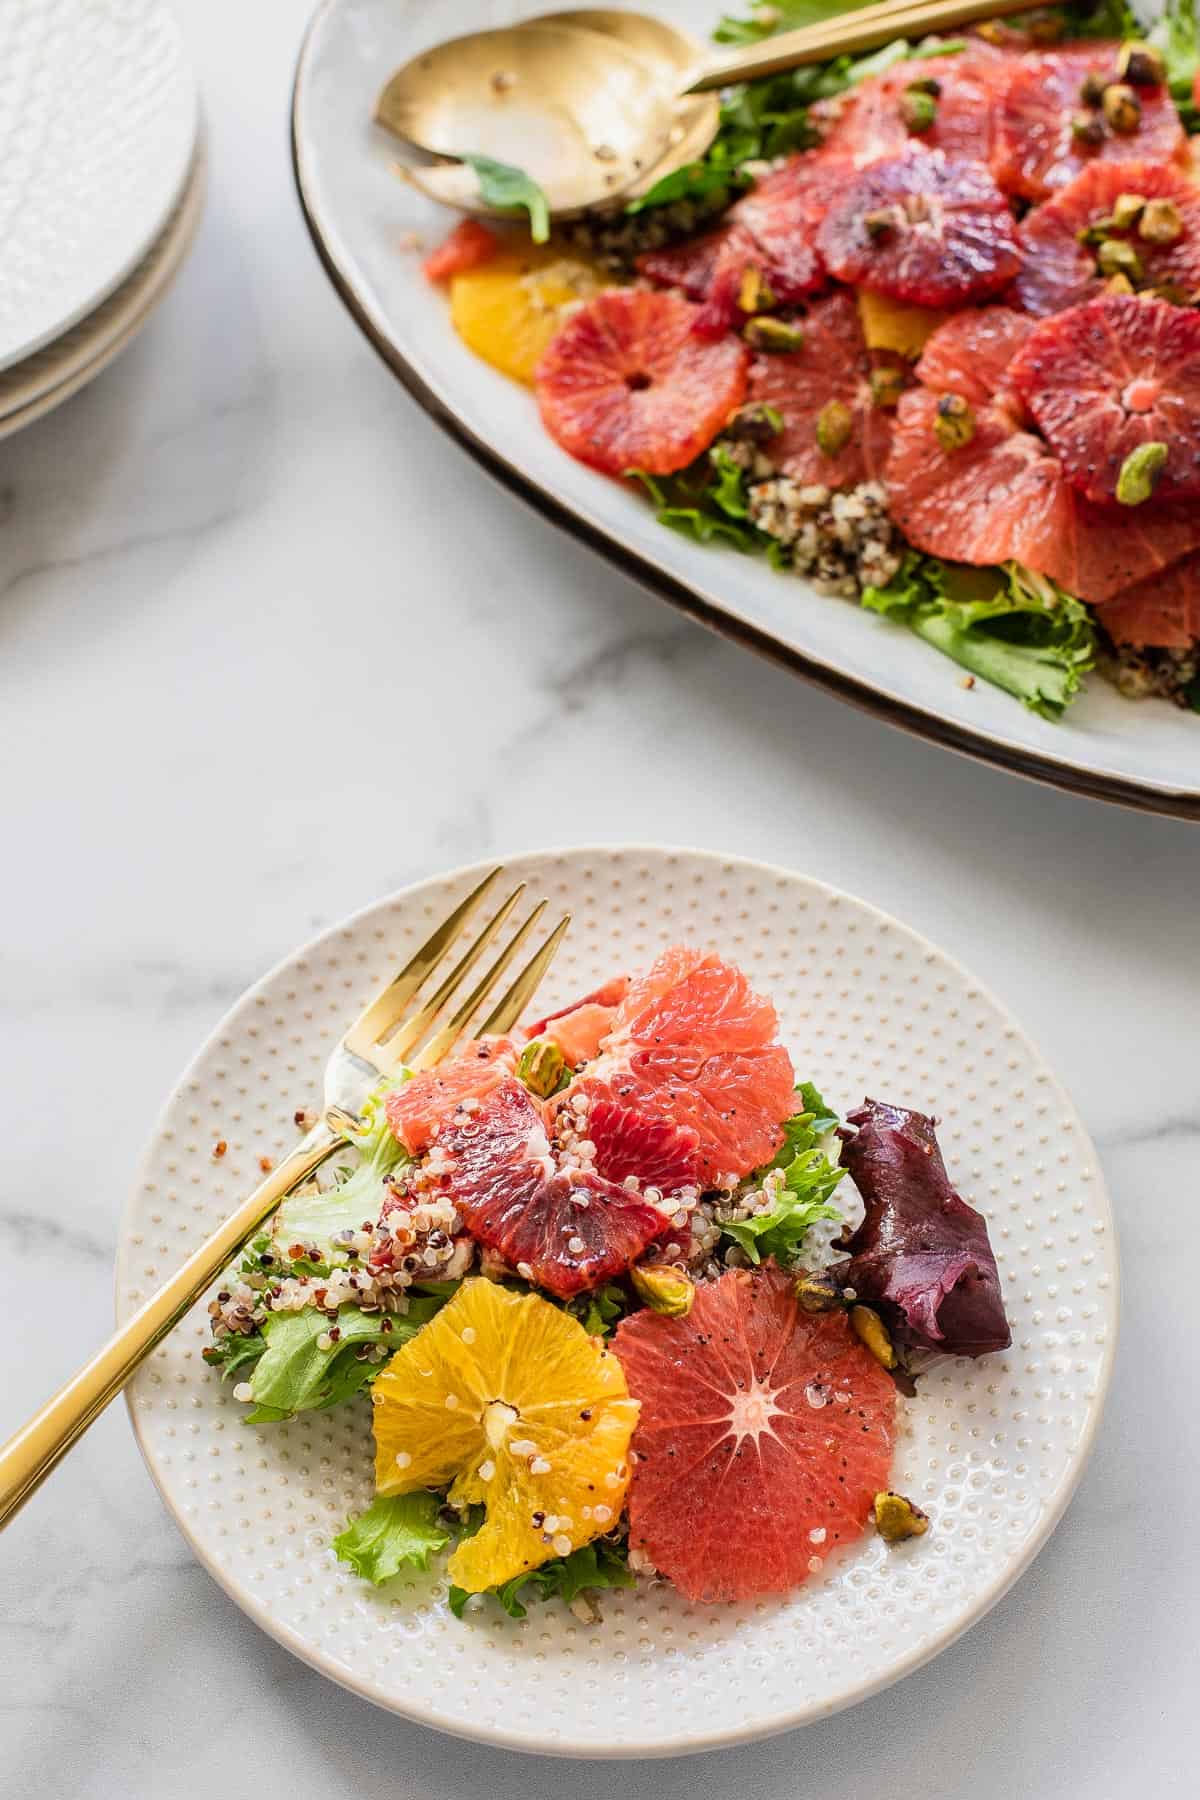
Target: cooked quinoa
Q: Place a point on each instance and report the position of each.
(1147, 673)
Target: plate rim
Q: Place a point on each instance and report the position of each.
(1141, 796)
(150, 233)
(315, 1658)
(142, 292)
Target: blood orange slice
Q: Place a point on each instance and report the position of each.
(1102, 380)
(970, 354)
(771, 233)
(626, 384)
(551, 1219)
(628, 1143)
(764, 1435)
(468, 245)
(869, 121)
(1037, 149)
(417, 1111)
(833, 365)
(1058, 270)
(1162, 612)
(693, 1045)
(1002, 495)
(922, 228)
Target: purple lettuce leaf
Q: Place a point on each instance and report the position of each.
(921, 1255)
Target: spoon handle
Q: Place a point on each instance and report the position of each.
(862, 29)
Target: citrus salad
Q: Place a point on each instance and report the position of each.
(922, 327)
(586, 1273)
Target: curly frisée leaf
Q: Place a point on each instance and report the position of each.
(500, 184)
(1007, 625)
(601, 1564)
(809, 1177)
(707, 500)
(1177, 34)
(298, 1372)
(397, 1531)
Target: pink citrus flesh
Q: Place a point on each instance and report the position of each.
(764, 1435)
(970, 354)
(832, 364)
(1162, 612)
(417, 1111)
(1058, 270)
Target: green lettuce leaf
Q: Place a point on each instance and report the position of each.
(602, 1564)
(296, 1374)
(234, 1352)
(500, 184)
(1177, 35)
(1007, 625)
(600, 1311)
(707, 500)
(809, 1179)
(398, 1531)
(316, 1218)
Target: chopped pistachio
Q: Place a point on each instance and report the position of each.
(1117, 257)
(1172, 293)
(816, 1293)
(924, 84)
(1140, 472)
(1160, 223)
(1141, 64)
(880, 224)
(773, 334)
(754, 423)
(1091, 89)
(887, 385)
(898, 1518)
(1087, 128)
(1122, 108)
(954, 422)
(1118, 284)
(542, 1067)
(754, 295)
(664, 1289)
(1127, 210)
(870, 1329)
(835, 427)
(918, 110)
(1092, 234)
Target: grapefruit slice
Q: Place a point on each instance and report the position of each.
(1000, 496)
(693, 1045)
(1161, 613)
(765, 1434)
(833, 365)
(1058, 270)
(1004, 496)
(970, 354)
(468, 245)
(923, 228)
(610, 993)
(552, 1220)
(626, 384)
(417, 1111)
(1104, 379)
(869, 121)
(507, 1398)
(577, 1029)
(1036, 149)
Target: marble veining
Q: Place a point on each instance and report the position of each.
(270, 645)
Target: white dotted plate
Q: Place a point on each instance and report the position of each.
(992, 1449)
(97, 130)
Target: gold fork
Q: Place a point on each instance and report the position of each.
(381, 1041)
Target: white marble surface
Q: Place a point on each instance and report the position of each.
(242, 581)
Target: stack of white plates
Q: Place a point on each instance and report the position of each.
(101, 187)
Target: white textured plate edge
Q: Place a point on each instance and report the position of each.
(467, 875)
(1124, 753)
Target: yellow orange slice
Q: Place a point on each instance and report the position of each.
(509, 1401)
(508, 309)
(894, 325)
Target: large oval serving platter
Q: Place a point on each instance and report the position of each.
(362, 218)
(992, 1449)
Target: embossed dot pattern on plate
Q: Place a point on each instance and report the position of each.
(991, 1449)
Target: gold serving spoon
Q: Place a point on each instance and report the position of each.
(597, 106)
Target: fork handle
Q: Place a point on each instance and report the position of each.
(33, 1451)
